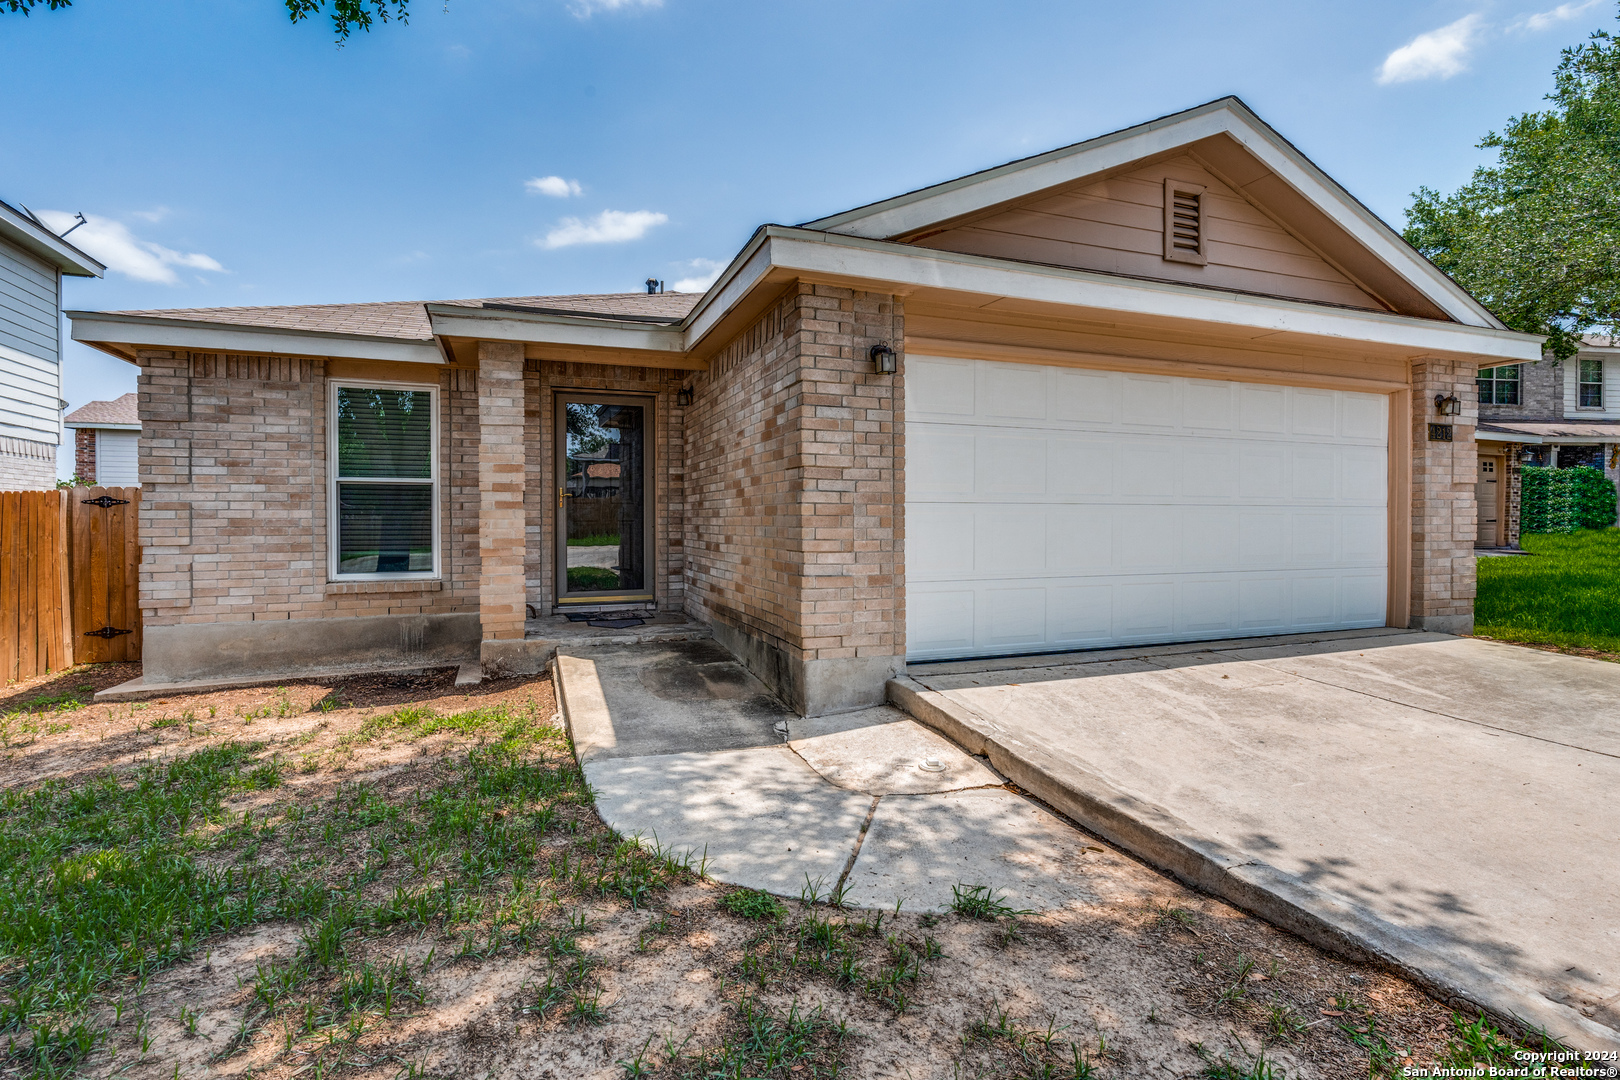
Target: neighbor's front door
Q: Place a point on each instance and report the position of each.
(1486, 494)
(604, 498)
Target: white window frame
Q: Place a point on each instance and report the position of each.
(1581, 361)
(332, 478)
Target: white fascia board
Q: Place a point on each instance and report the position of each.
(94, 326)
(44, 244)
(101, 427)
(1015, 180)
(752, 263)
(804, 252)
(1504, 437)
(450, 320)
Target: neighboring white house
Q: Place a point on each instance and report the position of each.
(32, 262)
(106, 441)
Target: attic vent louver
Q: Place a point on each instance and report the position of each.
(1184, 223)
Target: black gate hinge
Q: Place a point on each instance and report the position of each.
(107, 632)
(104, 501)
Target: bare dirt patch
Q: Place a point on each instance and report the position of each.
(386, 876)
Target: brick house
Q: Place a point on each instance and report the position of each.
(106, 441)
(1548, 413)
(1168, 384)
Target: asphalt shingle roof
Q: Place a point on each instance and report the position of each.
(122, 410)
(408, 319)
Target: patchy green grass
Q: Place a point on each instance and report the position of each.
(107, 879)
(1565, 593)
(600, 540)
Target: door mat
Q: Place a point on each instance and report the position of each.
(617, 624)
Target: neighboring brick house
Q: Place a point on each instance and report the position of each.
(106, 441)
(33, 260)
(1168, 384)
(1546, 412)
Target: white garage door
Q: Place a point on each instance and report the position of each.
(1053, 508)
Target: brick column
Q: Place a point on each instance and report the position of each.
(1515, 485)
(1444, 524)
(500, 490)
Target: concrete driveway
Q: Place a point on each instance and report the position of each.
(1448, 804)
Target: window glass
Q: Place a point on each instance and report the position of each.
(384, 432)
(382, 485)
(1591, 384)
(1499, 385)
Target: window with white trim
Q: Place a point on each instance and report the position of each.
(383, 481)
(1589, 388)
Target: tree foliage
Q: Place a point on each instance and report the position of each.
(1536, 235)
(347, 15)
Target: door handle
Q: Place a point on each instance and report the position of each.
(563, 493)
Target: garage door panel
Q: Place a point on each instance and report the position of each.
(1149, 469)
(1262, 410)
(939, 461)
(1077, 466)
(1010, 541)
(1010, 465)
(939, 621)
(1013, 392)
(1013, 617)
(1052, 508)
(1083, 397)
(938, 387)
(941, 542)
(1081, 615)
(1079, 539)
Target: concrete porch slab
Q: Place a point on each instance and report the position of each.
(1428, 800)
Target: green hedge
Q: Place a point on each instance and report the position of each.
(1564, 500)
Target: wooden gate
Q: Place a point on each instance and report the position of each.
(104, 558)
(69, 575)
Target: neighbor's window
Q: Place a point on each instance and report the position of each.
(384, 480)
(1591, 384)
(1498, 385)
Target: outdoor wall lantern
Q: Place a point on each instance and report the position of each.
(884, 361)
(683, 396)
(1527, 456)
(1447, 404)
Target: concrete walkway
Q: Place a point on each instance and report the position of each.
(684, 747)
(1447, 804)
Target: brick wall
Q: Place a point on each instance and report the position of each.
(234, 505)
(1541, 394)
(1444, 523)
(795, 452)
(542, 379)
(1515, 482)
(26, 465)
(84, 454)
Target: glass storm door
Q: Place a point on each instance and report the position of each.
(604, 496)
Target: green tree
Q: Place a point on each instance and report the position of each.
(347, 15)
(1536, 235)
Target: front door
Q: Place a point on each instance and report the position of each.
(1485, 494)
(604, 498)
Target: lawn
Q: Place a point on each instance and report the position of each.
(1566, 592)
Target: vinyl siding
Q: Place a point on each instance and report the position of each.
(30, 373)
(1611, 388)
(1117, 225)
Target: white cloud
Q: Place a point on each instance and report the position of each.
(555, 186)
(1438, 54)
(707, 272)
(113, 243)
(608, 227)
(584, 9)
(1546, 20)
(154, 215)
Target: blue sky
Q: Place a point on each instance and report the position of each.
(227, 157)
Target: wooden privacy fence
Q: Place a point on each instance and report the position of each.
(69, 572)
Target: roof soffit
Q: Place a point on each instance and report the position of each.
(1236, 146)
